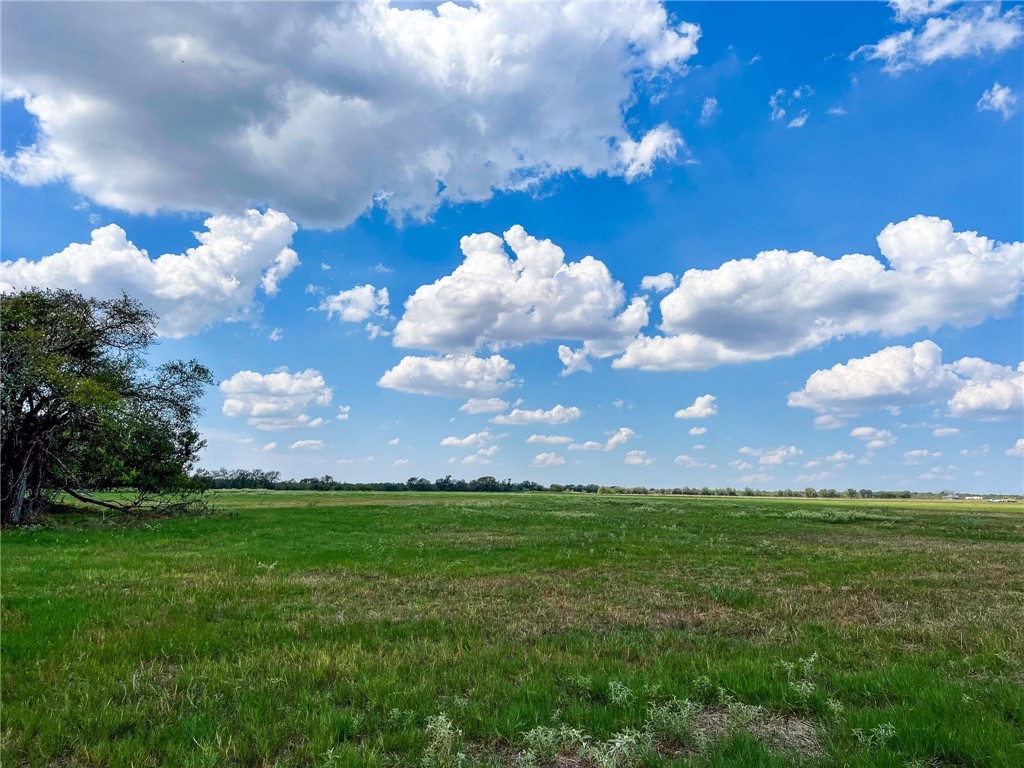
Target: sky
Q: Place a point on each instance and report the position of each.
(760, 244)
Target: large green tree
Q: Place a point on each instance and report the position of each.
(82, 410)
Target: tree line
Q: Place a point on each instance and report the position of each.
(260, 479)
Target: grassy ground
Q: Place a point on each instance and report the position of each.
(457, 629)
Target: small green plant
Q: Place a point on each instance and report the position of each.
(445, 747)
(672, 721)
(876, 737)
(623, 750)
(619, 694)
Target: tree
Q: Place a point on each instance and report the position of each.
(81, 410)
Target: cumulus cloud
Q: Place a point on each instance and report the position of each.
(971, 29)
(356, 305)
(343, 412)
(269, 447)
(703, 407)
(469, 441)
(873, 438)
(275, 401)
(450, 375)
(900, 376)
(638, 459)
(688, 462)
(780, 302)
(484, 405)
(560, 414)
(482, 456)
(988, 391)
(945, 432)
(549, 439)
(998, 98)
(326, 109)
(695, 431)
(548, 459)
(619, 437)
(769, 456)
(659, 283)
(1017, 449)
(494, 299)
(307, 445)
(215, 281)
(920, 455)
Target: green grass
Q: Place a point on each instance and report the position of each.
(332, 629)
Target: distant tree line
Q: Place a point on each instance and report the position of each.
(263, 479)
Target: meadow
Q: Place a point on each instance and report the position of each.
(435, 630)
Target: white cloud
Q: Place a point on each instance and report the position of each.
(497, 300)
(873, 438)
(1017, 449)
(276, 335)
(703, 407)
(769, 456)
(212, 282)
(989, 391)
(574, 360)
(659, 283)
(800, 120)
(919, 455)
(971, 29)
(783, 99)
(709, 110)
(484, 405)
(899, 376)
(482, 456)
(469, 441)
(547, 460)
(638, 459)
(451, 375)
(560, 414)
(638, 157)
(756, 479)
(913, 10)
(619, 437)
(399, 462)
(838, 457)
(695, 431)
(356, 304)
(945, 432)
(275, 401)
(307, 445)
(998, 98)
(836, 111)
(700, 447)
(741, 466)
(324, 110)
(394, 441)
(827, 421)
(269, 447)
(781, 302)
(688, 462)
(343, 412)
(549, 439)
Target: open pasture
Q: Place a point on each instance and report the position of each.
(435, 629)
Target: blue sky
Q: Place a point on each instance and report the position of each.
(655, 139)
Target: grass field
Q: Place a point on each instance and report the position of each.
(455, 629)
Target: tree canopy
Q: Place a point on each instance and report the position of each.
(82, 411)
